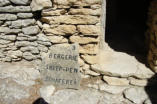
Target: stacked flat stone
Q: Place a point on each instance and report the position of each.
(19, 32)
(75, 21)
(152, 36)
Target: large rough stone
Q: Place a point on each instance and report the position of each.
(4, 2)
(89, 30)
(53, 12)
(61, 30)
(16, 9)
(83, 40)
(7, 30)
(112, 89)
(85, 11)
(116, 81)
(31, 30)
(71, 19)
(89, 49)
(127, 65)
(20, 2)
(8, 17)
(40, 4)
(90, 59)
(24, 15)
(136, 95)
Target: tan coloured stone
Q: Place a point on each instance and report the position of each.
(85, 11)
(57, 39)
(115, 81)
(89, 49)
(92, 73)
(81, 62)
(61, 30)
(83, 40)
(89, 29)
(71, 19)
(138, 82)
(90, 59)
(53, 12)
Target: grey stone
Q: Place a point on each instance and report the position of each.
(42, 37)
(32, 38)
(44, 43)
(8, 37)
(28, 22)
(60, 67)
(25, 43)
(31, 30)
(5, 41)
(16, 9)
(7, 30)
(40, 4)
(42, 48)
(28, 56)
(24, 15)
(20, 2)
(22, 38)
(33, 50)
(136, 95)
(8, 17)
(4, 2)
(15, 54)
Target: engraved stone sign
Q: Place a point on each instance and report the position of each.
(60, 67)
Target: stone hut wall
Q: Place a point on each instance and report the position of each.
(28, 28)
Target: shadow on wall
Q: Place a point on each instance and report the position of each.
(151, 89)
(40, 101)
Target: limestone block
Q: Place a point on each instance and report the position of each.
(81, 62)
(4, 2)
(28, 56)
(61, 30)
(15, 9)
(25, 43)
(89, 49)
(7, 30)
(71, 19)
(8, 17)
(33, 50)
(15, 54)
(83, 40)
(91, 73)
(24, 15)
(57, 39)
(57, 12)
(138, 82)
(116, 81)
(90, 59)
(5, 41)
(8, 37)
(85, 11)
(40, 4)
(89, 30)
(20, 2)
(31, 30)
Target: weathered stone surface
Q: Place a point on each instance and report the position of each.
(42, 37)
(60, 67)
(28, 56)
(40, 4)
(42, 48)
(89, 49)
(16, 9)
(46, 92)
(85, 11)
(20, 2)
(116, 81)
(61, 30)
(25, 43)
(124, 69)
(52, 12)
(44, 43)
(137, 95)
(57, 39)
(138, 82)
(90, 59)
(83, 40)
(70, 19)
(91, 73)
(8, 37)
(24, 15)
(7, 30)
(31, 30)
(89, 30)
(81, 62)
(33, 50)
(15, 54)
(4, 2)
(8, 17)
(112, 89)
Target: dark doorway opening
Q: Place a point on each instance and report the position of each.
(126, 26)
